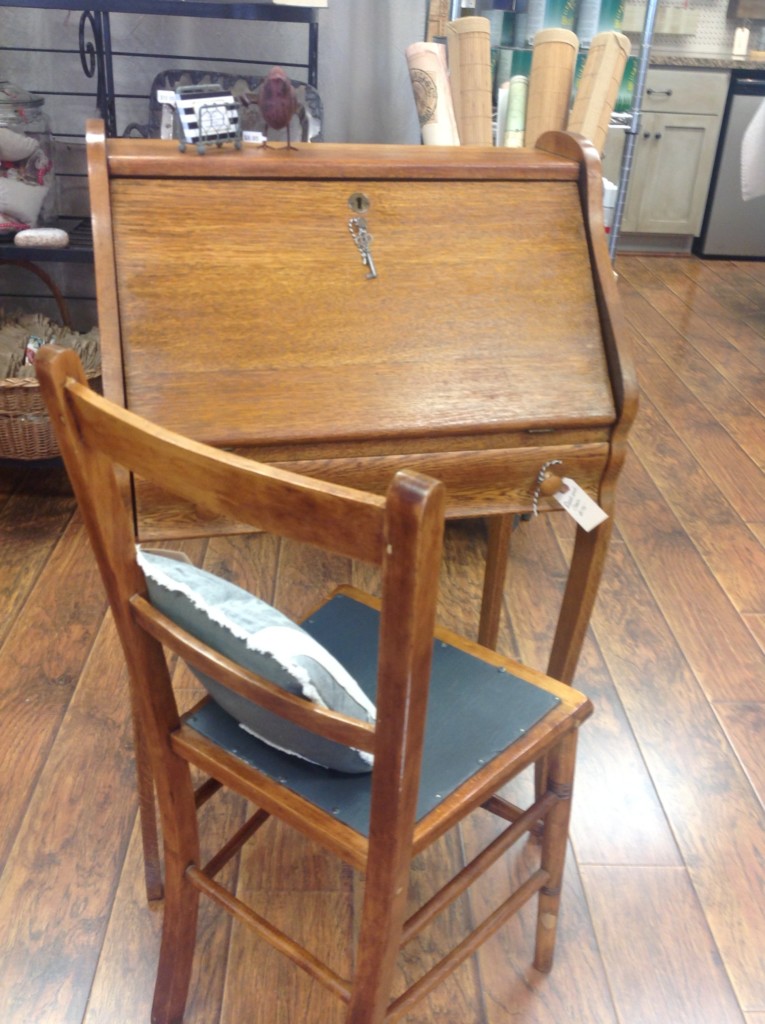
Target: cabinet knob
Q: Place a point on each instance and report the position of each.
(658, 92)
(550, 484)
(657, 135)
(646, 135)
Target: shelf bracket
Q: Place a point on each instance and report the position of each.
(96, 60)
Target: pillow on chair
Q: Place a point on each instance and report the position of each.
(258, 637)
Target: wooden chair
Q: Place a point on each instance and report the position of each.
(445, 741)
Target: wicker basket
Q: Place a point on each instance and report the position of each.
(26, 431)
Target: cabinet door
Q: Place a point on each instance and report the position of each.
(672, 166)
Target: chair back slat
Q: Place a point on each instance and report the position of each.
(330, 724)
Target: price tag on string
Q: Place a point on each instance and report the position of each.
(579, 505)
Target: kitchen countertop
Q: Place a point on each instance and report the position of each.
(725, 63)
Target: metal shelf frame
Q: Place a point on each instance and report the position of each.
(97, 57)
(96, 54)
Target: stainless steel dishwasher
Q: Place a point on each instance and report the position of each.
(732, 227)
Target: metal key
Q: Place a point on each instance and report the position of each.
(370, 264)
(363, 240)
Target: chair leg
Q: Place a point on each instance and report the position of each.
(176, 954)
(376, 953)
(379, 940)
(560, 779)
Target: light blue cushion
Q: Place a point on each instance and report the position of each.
(257, 636)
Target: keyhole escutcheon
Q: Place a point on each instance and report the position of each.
(359, 202)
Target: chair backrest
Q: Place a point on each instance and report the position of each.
(401, 533)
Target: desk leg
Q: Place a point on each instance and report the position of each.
(578, 600)
(500, 529)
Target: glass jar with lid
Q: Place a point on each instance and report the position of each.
(27, 194)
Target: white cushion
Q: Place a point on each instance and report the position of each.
(260, 638)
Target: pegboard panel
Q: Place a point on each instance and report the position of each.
(713, 36)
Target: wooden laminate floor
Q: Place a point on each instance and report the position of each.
(664, 910)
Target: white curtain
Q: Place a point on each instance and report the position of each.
(363, 74)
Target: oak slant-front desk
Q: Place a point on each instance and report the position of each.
(348, 310)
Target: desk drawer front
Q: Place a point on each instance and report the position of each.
(477, 482)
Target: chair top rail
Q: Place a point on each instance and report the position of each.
(341, 519)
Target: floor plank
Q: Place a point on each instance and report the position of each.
(459, 1000)
(124, 982)
(727, 383)
(653, 276)
(661, 960)
(30, 526)
(41, 660)
(719, 647)
(276, 992)
(717, 277)
(730, 549)
(743, 290)
(728, 464)
(756, 626)
(718, 822)
(58, 883)
(639, 832)
(744, 725)
(577, 990)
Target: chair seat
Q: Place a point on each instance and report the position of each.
(475, 710)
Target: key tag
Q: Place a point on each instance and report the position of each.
(580, 506)
(585, 512)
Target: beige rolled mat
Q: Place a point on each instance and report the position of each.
(438, 16)
(599, 87)
(432, 94)
(469, 45)
(550, 80)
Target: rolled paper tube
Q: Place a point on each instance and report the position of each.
(516, 111)
(504, 68)
(535, 20)
(552, 73)
(502, 97)
(587, 18)
(599, 87)
(469, 45)
(432, 94)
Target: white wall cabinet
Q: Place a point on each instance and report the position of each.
(674, 151)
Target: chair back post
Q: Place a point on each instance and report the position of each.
(413, 547)
(107, 523)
